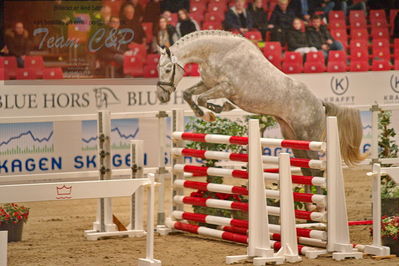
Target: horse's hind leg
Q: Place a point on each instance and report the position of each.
(222, 90)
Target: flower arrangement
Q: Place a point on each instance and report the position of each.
(390, 227)
(12, 213)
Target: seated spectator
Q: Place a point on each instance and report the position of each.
(186, 24)
(175, 5)
(138, 9)
(112, 53)
(165, 35)
(128, 21)
(100, 20)
(237, 18)
(259, 17)
(346, 5)
(326, 6)
(280, 21)
(152, 12)
(18, 43)
(297, 40)
(319, 37)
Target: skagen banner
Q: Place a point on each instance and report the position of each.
(60, 146)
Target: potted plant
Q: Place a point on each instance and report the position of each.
(388, 149)
(390, 233)
(12, 219)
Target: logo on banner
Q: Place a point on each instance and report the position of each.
(339, 85)
(105, 97)
(64, 192)
(395, 83)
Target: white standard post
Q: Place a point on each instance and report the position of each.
(289, 241)
(338, 229)
(258, 222)
(161, 168)
(149, 260)
(177, 125)
(3, 248)
(137, 164)
(376, 248)
(374, 132)
(104, 221)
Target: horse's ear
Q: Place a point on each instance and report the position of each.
(168, 51)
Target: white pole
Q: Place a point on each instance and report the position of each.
(374, 131)
(177, 125)
(3, 248)
(289, 242)
(161, 166)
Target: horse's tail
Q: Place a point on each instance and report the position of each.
(350, 132)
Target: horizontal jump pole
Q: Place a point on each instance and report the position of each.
(240, 157)
(204, 171)
(202, 230)
(229, 189)
(223, 139)
(243, 224)
(277, 236)
(242, 206)
(367, 222)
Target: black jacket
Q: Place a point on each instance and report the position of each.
(318, 38)
(282, 19)
(296, 39)
(17, 45)
(232, 20)
(259, 17)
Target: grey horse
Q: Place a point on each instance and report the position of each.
(233, 68)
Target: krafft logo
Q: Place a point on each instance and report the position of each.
(395, 83)
(339, 85)
(105, 96)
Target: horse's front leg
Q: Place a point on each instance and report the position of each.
(188, 97)
(222, 90)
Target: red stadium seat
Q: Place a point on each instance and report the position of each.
(396, 48)
(358, 45)
(150, 71)
(381, 49)
(292, 63)
(147, 27)
(197, 7)
(9, 64)
(26, 73)
(359, 66)
(173, 19)
(3, 74)
(377, 14)
(359, 55)
(381, 65)
(212, 25)
(340, 35)
(272, 51)
(198, 17)
(337, 24)
(314, 67)
(315, 57)
(191, 70)
(133, 66)
(336, 67)
(359, 34)
(53, 73)
(213, 17)
(336, 61)
(396, 67)
(253, 35)
(35, 63)
(336, 15)
(357, 15)
(358, 24)
(217, 7)
(198, 1)
(152, 59)
(379, 33)
(115, 6)
(138, 50)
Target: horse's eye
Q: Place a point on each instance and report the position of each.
(168, 70)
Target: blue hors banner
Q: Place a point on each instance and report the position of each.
(61, 146)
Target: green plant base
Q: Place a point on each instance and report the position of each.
(392, 244)
(14, 230)
(390, 207)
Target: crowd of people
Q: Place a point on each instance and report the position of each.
(299, 25)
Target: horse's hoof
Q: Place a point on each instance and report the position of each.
(209, 117)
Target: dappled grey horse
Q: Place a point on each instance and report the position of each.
(233, 68)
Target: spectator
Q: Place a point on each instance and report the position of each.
(297, 40)
(396, 26)
(18, 43)
(259, 17)
(128, 21)
(346, 5)
(280, 21)
(319, 37)
(138, 9)
(100, 20)
(326, 6)
(186, 24)
(152, 12)
(237, 18)
(166, 35)
(175, 5)
(113, 53)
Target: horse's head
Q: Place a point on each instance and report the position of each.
(170, 74)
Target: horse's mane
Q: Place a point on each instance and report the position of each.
(205, 33)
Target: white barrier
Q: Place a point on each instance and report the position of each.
(3, 248)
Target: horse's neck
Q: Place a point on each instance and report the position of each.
(199, 50)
